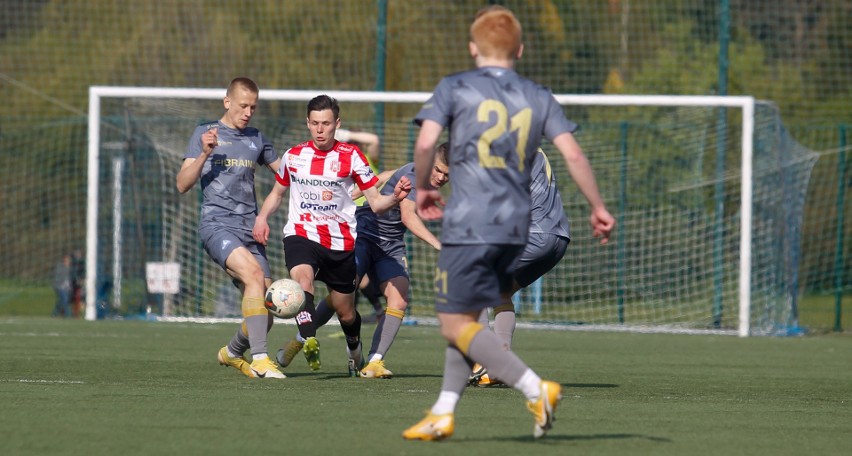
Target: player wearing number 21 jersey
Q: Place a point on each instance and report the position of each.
(496, 120)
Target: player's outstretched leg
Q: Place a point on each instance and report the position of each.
(544, 409)
(542, 396)
(439, 422)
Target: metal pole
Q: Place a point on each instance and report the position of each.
(117, 171)
(622, 208)
(838, 253)
(721, 140)
(381, 64)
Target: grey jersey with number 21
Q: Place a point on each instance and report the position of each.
(496, 120)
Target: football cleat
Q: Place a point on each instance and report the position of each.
(478, 372)
(376, 369)
(433, 427)
(486, 381)
(312, 353)
(285, 355)
(237, 363)
(356, 361)
(266, 368)
(544, 409)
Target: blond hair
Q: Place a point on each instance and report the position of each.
(244, 83)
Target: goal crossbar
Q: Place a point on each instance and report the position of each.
(745, 103)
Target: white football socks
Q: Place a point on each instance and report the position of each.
(530, 385)
(446, 403)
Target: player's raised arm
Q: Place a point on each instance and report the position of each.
(190, 170)
(581, 171)
(429, 201)
(383, 178)
(381, 203)
(408, 214)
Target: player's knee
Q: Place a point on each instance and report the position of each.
(345, 313)
(449, 333)
(346, 317)
(397, 303)
(254, 276)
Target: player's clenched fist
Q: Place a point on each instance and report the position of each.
(209, 140)
(402, 188)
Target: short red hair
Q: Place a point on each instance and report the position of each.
(496, 32)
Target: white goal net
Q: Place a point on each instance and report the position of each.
(707, 193)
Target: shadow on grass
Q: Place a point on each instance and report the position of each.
(557, 439)
(589, 385)
(341, 375)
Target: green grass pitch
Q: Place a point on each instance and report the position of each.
(151, 388)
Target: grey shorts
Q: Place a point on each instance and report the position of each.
(470, 278)
(380, 262)
(219, 242)
(542, 252)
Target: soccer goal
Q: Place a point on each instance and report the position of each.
(707, 192)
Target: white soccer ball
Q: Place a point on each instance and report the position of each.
(285, 298)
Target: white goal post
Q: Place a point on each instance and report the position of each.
(745, 103)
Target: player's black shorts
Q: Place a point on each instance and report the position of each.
(542, 252)
(333, 267)
(470, 278)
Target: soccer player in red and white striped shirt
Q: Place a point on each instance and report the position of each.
(319, 238)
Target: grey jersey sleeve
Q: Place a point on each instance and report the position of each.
(437, 107)
(547, 213)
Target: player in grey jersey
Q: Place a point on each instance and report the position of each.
(496, 120)
(223, 155)
(548, 240)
